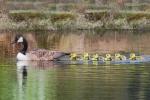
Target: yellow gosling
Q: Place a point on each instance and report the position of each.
(123, 57)
(73, 56)
(95, 57)
(86, 56)
(119, 57)
(134, 57)
(108, 57)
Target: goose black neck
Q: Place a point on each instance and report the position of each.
(25, 46)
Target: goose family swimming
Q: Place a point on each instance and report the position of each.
(36, 54)
(43, 54)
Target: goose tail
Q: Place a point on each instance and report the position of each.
(63, 56)
(67, 53)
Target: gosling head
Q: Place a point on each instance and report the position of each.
(73, 56)
(117, 55)
(86, 56)
(132, 55)
(108, 55)
(95, 57)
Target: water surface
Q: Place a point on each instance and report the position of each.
(51, 81)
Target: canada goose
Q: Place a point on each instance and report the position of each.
(37, 54)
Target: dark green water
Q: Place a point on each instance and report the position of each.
(50, 81)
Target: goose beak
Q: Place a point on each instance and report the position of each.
(13, 42)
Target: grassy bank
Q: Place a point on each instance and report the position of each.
(90, 19)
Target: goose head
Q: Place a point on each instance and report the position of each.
(19, 39)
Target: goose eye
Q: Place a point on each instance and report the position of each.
(16, 38)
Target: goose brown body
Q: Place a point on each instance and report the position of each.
(43, 54)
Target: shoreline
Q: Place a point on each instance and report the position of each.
(87, 30)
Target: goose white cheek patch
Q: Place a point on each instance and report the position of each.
(20, 40)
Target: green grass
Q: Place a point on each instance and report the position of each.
(95, 15)
(21, 15)
(24, 15)
(139, 6)
(91, 19)
(60, 16)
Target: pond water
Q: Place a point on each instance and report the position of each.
(50, 81)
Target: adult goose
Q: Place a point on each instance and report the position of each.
(36, 54)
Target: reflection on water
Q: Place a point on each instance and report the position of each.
(71, 82)
(56, 81)
(22, 78)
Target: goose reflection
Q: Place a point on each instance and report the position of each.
(22, 74)
(24, 66)
(32, 75)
